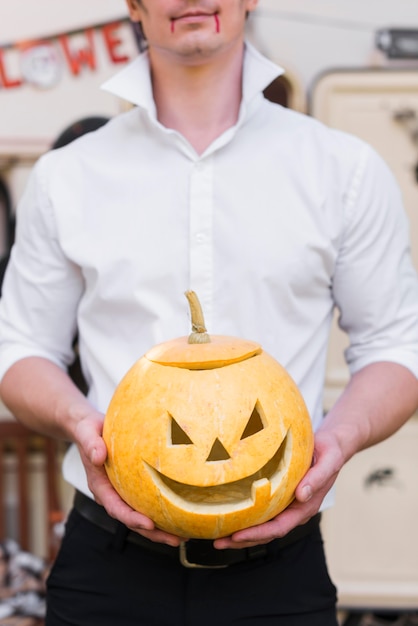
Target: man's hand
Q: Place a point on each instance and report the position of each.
(53, 405)
(327, 462)
(93, 454)
(376, 402)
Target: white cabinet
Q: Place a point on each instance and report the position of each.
(371, 534)
(381, 107)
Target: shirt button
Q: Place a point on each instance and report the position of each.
(200, 237)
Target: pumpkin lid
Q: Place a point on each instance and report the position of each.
(222, 350)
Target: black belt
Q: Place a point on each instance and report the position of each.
(194, 552)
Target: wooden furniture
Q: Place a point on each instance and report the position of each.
(19, 443)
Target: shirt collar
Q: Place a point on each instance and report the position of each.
(133, 83)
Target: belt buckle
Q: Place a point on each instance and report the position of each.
(184, 560)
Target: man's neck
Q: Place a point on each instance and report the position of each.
(199, 101)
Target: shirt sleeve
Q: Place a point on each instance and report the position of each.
(42, 287)
(375, 285)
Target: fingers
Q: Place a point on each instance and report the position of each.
(106, 495)
(309, 496)
(93, 454)
(295, 515)
(120, 510)
(162, 537)
(326, 465)
(89, 439)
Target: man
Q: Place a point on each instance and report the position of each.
(273, 220)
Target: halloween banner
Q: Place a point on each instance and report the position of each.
(42, 62)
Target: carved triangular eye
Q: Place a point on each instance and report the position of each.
(254, 424)
(178, 436)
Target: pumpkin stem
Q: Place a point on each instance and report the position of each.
(198, 334)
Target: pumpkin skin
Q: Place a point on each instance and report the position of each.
(207, 439)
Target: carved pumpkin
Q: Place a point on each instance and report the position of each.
(207, 438)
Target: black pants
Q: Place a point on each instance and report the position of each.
(98, 580)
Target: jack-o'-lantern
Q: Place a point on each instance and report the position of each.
(207, 435)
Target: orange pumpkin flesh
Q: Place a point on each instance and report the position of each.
(207, 439)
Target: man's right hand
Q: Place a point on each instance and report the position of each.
(93, 454)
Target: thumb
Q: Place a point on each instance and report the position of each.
(90, 441)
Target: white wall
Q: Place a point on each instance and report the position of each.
(24, 19)
(32, 116)
(308, 37)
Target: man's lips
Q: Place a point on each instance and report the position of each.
(195, 18)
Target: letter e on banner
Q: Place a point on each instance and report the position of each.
(113, 41)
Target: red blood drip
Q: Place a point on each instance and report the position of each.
(217, 23)
(172, 26)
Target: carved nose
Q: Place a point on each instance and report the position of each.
(218, 452)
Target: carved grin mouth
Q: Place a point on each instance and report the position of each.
(243, 492)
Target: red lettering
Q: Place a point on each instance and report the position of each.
(113, 41)
(5, 81)
(82, 57)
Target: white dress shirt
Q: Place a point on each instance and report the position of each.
(280, 220)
